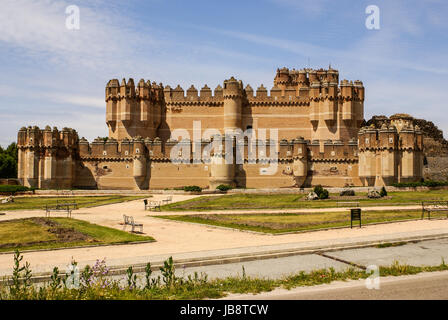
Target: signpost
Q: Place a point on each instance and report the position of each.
(355, 215)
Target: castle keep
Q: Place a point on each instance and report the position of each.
(318, 138)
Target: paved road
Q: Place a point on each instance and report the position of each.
(428, 286)
(420, 253)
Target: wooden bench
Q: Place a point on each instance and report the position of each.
(129, 221)
(434, 206)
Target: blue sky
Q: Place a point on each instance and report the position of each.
(52, 75)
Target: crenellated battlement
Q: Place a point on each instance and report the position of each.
(128, 90)
(34, 137)
(158, 150)
(291, 87)
(205, 96)
(305, 77)
(389, 138)
(46, 157)
(390, 154)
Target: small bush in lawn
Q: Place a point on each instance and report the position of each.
(192, 189)
(224, 187)
(321, 192)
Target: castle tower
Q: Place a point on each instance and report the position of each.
(358, 103)
(66, 161)
(388, 142)
(282, 80)
(50, 161)
(46, 158)
(112, 96)
(139, 162)
(347, 101)
(401, 120)
(315, 97)
(222, 172)
(333, 112)
(233, 95)
(31, 155)
(410, 155)
(300, 161)
(133, 111)
(367, 156)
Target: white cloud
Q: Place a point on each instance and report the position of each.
(67, 98)
(39, 28)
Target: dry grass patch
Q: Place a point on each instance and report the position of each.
(291, 222)
(50, 233)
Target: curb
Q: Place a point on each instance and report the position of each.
(82, 247)
(243, 257)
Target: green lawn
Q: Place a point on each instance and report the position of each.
(38, 203)
(50, 233)
(290, 222)
(297, 201)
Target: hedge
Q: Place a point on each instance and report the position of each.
(427, 183)
(193, 189)
(224, 187)
(14, 189)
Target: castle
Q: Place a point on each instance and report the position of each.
(313, 121)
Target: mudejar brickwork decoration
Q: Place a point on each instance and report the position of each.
(318, 138)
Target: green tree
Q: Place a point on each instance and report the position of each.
(12, 151)
(8, 162)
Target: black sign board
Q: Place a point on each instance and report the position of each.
(355, 216)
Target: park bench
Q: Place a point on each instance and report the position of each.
(151, 205)
(434, 206)
(167, 199)
(129, 221)
(348, 204)
(59, 208)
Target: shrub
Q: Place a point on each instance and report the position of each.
(383, 192)
(427, 183)
(324, 194)
(318, 189)
(224, 187)
(14, 189)
(193, 189)
(321, 192)
(347, 193)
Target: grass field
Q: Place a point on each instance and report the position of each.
(290, 222)
(38, 203)
(297, 201)
(50, 233)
